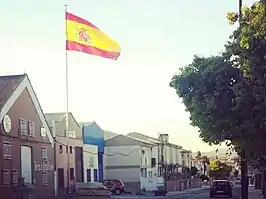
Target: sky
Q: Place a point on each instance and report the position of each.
(131, 94)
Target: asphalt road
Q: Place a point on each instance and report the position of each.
(204, 194)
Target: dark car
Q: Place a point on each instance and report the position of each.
(221, 188)
(116, 186)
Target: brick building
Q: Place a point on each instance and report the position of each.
(26, 143)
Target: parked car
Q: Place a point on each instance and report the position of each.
(221, 188)
(116, 186)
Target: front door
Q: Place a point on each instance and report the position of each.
(95, 175)
(88, 175)
(61, 181)
(26, 163)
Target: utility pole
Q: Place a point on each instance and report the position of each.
(244, 170)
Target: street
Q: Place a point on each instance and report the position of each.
(202, 194)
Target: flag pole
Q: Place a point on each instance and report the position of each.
(67, 123)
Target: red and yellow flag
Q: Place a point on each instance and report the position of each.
(85, 37)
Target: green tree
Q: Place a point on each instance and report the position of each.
(219, 170)
(207, 89)
(248, 46)
(225, 94)
(211, 88)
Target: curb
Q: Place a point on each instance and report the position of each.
(191, 191)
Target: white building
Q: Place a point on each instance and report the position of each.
(172, 157)
(186, 158)
(90, 163)
(128, 159)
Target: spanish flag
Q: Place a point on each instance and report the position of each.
(85, 37)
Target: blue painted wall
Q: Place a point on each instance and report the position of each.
(93, 135)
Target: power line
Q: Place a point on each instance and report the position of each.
(113, 154)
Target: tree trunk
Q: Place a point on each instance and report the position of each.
(264, 184)
(244, 174)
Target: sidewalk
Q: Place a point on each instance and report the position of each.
(187, 191)
(255, 193)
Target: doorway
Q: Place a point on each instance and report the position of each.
(26, 163)
(61, 181)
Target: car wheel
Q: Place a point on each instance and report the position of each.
(117, 192)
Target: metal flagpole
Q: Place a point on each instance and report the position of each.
(67, 127)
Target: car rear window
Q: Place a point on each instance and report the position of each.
(221, 183)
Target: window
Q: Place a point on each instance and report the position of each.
(60, 149)
(45, 166)
(31, 128)
(7, 150)
(72, 175)
(45, 178)
(143, 172)
(72, 134)
(23, 127)
(44, 153)
(66, 149)
(95, 175)
(70, 149)
(150, 174)
(6, 177)
(15, 177)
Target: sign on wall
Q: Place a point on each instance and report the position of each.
(44, 166)
(91, 162)
(43, 132)
(7, 124)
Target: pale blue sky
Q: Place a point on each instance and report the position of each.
(132, 93)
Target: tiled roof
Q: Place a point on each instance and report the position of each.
(8, 85)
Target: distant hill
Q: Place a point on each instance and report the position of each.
(212, 153)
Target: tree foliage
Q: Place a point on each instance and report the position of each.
(248, 46)
(219, 170)
(207, 89)
(225, 94)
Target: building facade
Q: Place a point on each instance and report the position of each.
(26, 141)
(90, 166)
(167, 156)
(129, 160)
(93, 136)
(67, 153)
(186, 158)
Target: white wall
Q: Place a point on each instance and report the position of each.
(146, 157)
(90, 155)
(122, 155)
(120, 163)
(186, 159)
(125, 175)
(155, 155)
(178, 156)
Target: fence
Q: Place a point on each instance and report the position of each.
(180, 185)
